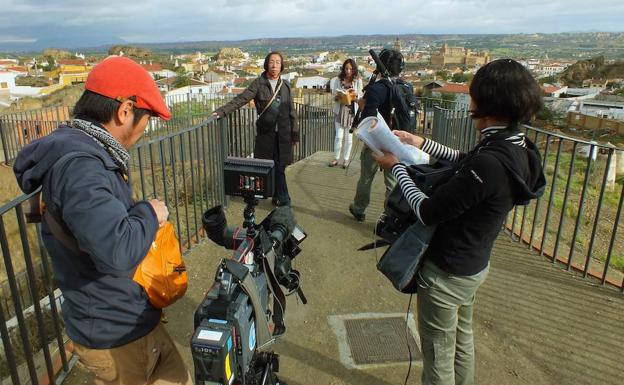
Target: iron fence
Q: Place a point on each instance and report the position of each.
(183, 168)
(17, 129)
(576, 221)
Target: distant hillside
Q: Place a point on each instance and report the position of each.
(67, 96)
(591, 69)
(130, 50)
(560, 45)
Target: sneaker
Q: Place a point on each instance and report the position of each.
(358, 217)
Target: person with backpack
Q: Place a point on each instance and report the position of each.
(469, 209)
(346, 88)
(82, 169)
(377, 99)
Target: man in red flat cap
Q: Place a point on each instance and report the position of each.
(83, 171)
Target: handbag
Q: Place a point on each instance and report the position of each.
(407, 236)
(162, 273)
(268, 117)
(404, 257)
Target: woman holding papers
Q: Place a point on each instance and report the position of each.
(346, 89)
(503, 170)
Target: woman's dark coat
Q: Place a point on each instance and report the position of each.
(288, 132)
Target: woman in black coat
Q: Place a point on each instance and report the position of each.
(503, 170)
(276, 128)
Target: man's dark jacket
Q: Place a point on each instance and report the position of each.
(103, 307)
(288, 132)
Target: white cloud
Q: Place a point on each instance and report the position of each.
(183, 20)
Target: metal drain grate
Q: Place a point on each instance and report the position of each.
(379, 340)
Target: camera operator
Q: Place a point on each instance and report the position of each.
(97, 234)
(503, 170)
(377, 99)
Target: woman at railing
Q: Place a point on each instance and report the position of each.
(503, 170)
(346, 88)
(276, 127)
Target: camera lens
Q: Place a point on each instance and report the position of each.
(214, 223)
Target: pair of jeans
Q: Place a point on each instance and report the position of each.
(368, 169)
(445, 304)
(152, 359)
(342, 135)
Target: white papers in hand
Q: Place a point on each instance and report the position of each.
(376, 134)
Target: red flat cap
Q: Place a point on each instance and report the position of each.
(121, 78)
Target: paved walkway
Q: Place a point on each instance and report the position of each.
(534, 323)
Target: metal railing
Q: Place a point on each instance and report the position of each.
(576, 222)
(17, 129)
(183, 168)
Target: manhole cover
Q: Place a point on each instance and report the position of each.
(380, 340)
(368, 340)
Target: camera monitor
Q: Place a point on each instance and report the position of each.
(248, 177)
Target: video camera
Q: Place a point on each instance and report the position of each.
(237, 320)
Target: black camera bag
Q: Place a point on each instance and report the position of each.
(398, 214)
(408, 237)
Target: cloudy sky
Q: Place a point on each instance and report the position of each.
(196, 20)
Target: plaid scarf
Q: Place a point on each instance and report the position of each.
(102, 137)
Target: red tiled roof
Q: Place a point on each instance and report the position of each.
(7, 62)
(17, 69)
(550, 89)
(454, 88)
(152, 67)
(233, 90)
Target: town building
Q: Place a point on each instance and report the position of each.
(459, 55)
(7, 80)
(312, 82)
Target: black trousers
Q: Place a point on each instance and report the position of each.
(281, 188)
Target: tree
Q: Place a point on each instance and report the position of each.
(547, 79)
(442, 75)
(448, 96)
(550, 115)
(182, 80)
(462, 77)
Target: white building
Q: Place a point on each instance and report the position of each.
(321, 57)
(290, 76)
(164, 73)
(195, 90)
(551, 69)
(312, 82)
(602, 109)
(7, 80)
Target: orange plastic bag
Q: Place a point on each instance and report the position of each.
(162, 273)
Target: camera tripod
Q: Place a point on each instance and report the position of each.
(266, 365)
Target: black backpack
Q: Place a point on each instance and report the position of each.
(403, 104)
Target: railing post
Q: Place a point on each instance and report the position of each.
(4, 144)
(223, 146)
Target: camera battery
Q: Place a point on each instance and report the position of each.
(214, 353)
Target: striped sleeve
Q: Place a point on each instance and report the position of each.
(440, 151)
(412, 193)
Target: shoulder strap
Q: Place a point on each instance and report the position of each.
(279, 87)
(57, 227)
